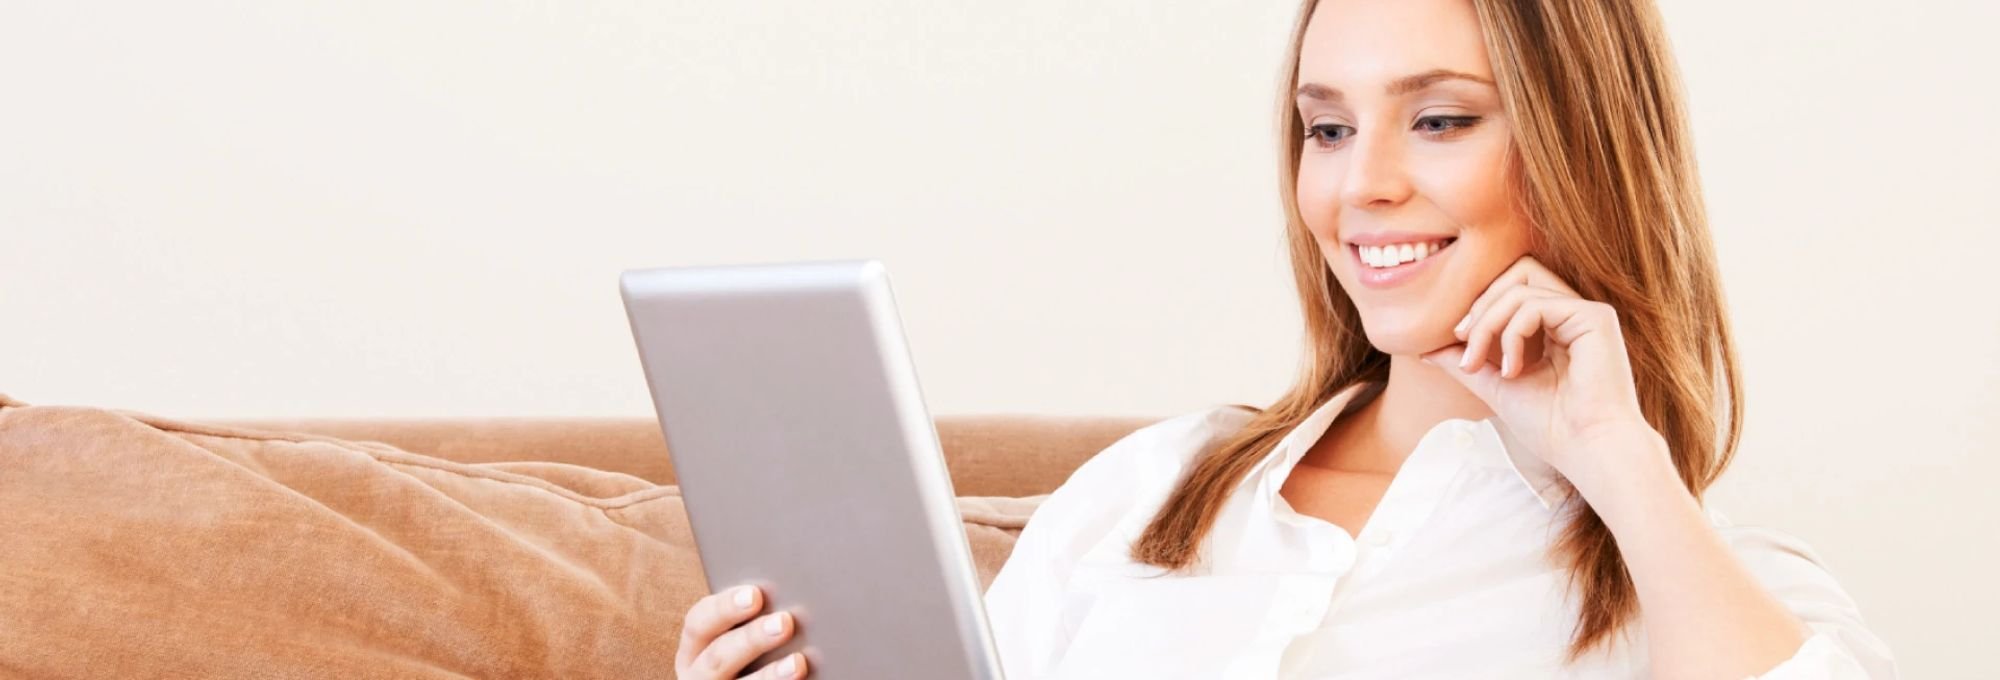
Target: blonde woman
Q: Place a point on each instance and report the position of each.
(1518, 382)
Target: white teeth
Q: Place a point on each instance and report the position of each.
(1396, 254)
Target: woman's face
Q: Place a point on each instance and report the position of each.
(1406, 152)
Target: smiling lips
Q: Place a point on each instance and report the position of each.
(1383, 257)
(1387, 260)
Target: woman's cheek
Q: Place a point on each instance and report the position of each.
(1471, 186)
(1318, 195)
(1474, 199)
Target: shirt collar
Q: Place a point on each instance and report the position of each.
(1493, 446)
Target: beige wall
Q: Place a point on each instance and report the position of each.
(402, 208)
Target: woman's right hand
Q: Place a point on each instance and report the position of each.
(716, 641)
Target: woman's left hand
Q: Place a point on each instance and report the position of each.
(1565, 384)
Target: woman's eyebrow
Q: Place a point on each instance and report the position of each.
(1399, 86)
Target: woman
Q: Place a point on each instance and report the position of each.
(1519, 381)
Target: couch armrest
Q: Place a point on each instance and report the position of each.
(988, 454)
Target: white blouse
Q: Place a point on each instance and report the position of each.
(1448, 578)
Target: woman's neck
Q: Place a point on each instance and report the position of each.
(1385, 430)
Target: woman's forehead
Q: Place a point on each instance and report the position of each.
(1351, 45)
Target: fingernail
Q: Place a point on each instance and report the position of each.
(1464, 360)
(775, 624)
(1460, 328)
(743, 596)
(1506, 364)
(790, 666)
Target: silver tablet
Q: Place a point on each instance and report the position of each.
(809, 464)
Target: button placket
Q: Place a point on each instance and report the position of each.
(1418, 489)
(1296, 606)
(1303, 600)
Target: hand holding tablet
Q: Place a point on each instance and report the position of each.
(720, 637)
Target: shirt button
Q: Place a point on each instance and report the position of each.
(1343, 560)
(1463, 436)
(1300, 613)
(1379, 538)
(1306, 619)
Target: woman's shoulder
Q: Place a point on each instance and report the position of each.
(1142, 464)
(1164, 448)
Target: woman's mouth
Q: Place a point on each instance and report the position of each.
(1385, 265)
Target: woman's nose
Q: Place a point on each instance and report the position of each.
(1376, 176)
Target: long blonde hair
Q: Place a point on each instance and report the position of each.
(1605, 170)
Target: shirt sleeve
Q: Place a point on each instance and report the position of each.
(1840, 646)
(1025, 604)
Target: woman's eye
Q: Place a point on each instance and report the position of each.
(1438, 125)
(1328, 133)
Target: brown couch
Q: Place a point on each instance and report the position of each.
(141, 546)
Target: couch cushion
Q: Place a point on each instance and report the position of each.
(144, 546)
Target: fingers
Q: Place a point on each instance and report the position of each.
(716, 642)
(1482, 327)
(1526, 271)
(1515, 345)
(734, 650)
(1561, 320)
(1532, 272)
(714, 615)
(791, 667)
(741, 647)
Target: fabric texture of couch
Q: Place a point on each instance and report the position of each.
(140, 546)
